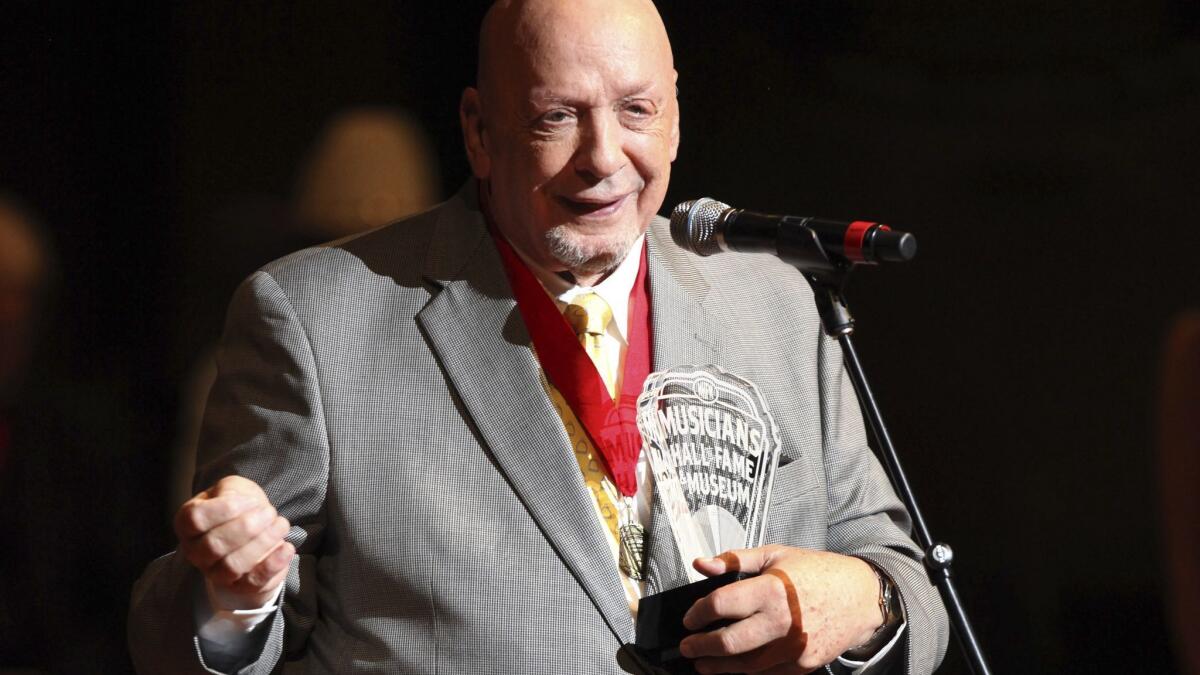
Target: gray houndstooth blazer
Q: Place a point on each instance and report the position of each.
(383, 392)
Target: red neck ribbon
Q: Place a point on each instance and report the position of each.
(611, 425)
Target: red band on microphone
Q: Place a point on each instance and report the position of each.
(852, 246)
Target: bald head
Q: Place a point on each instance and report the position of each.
(573, 127)
(514, 31)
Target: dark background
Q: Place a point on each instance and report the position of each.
(1043, 152)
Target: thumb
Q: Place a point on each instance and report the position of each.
(750, 560)
(235, 485)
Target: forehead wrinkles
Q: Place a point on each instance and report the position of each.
(588, 80)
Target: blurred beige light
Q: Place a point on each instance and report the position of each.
(368, 168)
(22, 271)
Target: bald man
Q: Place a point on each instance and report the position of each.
(395, 482)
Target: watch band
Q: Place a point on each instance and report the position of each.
(891, 611)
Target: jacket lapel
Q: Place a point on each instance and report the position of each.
(474, 327)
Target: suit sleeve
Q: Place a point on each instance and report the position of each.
(264, 421)
(867, 520)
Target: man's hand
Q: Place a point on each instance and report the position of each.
(804, 610)
(233, 535)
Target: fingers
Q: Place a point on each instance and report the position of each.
(205, 550)
(768, 660)
(203, 512)
(759, 662)
(229, 498)
(234, 536)
(736, 601)
(753, 645)
(736, 639)
(268, 574)
(799, 593)
(766, 635)
(240, 561)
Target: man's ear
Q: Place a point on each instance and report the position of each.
(470, 116)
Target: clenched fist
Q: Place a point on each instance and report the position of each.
(233, 535)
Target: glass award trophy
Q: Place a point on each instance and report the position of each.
(713, 449)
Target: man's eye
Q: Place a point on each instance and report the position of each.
(638, 111)
(555, 117)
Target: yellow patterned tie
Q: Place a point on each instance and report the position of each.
(589, 315)
(593, 472)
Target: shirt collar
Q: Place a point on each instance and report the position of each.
(615, 288)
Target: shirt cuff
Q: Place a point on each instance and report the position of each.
(857, 667)
(228, 631)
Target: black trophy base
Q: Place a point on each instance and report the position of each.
(660, 622)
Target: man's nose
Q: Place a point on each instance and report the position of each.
(600, 151)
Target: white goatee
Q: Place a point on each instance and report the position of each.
(589, 258)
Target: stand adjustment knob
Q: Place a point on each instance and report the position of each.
(939, 557)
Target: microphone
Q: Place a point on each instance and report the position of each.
(706, 227)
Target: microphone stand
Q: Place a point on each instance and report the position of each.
(827, 276)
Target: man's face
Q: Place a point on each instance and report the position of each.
(579, 126)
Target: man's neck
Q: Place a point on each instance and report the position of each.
(583, 278)
(558, 282)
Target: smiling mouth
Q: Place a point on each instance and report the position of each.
(593, 208)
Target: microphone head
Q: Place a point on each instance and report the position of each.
(694, 225)
(893, 246)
